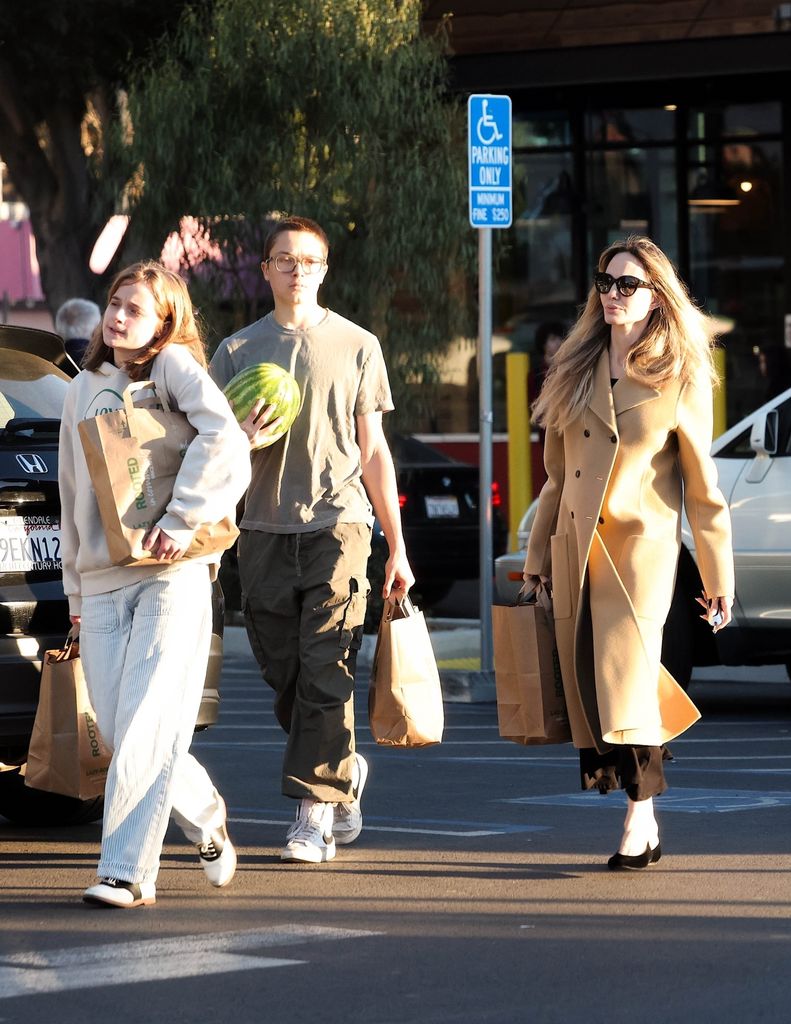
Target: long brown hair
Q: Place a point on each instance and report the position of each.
(174, 308)
(675, 345)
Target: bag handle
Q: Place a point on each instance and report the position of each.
(399, 606)
(141, 385)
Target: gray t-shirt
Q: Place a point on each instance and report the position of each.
(311, 478)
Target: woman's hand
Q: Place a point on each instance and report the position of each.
(259, 424)
(74, 620)
(545, 580)
(162, 546)
(716, 610)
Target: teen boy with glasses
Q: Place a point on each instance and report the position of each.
(306, 530)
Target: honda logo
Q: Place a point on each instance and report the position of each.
(32, 464)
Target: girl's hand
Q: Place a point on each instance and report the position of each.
(162, 546)
(716, 610)
(260, 423)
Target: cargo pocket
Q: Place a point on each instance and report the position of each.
(561, 584)
(350, 636)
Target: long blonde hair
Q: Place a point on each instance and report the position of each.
(174, 308)
(675, 345)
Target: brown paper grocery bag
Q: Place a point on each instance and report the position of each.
(531, 707)
(66, 754)
(405, 698)
(133, 457)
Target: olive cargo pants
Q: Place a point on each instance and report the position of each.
(304, 597)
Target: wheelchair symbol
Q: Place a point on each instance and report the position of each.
(487, 126)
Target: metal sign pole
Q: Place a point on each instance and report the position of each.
(491, 205)
(485, 442)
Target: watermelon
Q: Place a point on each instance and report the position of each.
(272, 383)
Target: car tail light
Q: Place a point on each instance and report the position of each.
(515, 577)
(401, 500)
(497, 498)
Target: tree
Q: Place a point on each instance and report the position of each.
(62, 65)
(339, 112)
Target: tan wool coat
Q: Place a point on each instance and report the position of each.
(608, 532)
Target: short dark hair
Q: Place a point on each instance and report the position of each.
(295, 224)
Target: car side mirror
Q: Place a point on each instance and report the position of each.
(763, 441)
(765, 432)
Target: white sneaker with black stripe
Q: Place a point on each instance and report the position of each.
(112, 892)
(348, 823)
(218, 857)
(309, 840)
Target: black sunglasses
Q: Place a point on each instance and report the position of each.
(626, 285)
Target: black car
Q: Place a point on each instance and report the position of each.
(34, 616)
(439, 499)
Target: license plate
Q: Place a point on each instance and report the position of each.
(443, 507)
(29, 544)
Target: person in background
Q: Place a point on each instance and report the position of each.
(75, 322)
(627, 408)
(145, 630)
(306, 531)
(548, 339)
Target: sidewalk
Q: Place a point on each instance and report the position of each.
(456, 644)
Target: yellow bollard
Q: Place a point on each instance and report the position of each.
(520, 483)
(720, 413)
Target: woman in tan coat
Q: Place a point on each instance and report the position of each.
(627, 408)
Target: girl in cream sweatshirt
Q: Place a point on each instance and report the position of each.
(145, 630)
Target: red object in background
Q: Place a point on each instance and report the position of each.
(20, 282)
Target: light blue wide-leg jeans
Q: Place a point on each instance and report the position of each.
(144, 650)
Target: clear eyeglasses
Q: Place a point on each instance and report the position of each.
(287, 264)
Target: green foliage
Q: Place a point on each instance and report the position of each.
(338, 112)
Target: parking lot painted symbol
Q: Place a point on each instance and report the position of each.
(183, 956)
(690, 801)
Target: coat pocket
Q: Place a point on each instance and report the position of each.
(647, 568)
(561, 584)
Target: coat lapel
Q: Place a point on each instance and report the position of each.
(628, 393)
(602, 397)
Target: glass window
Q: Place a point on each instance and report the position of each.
(738, 448)
(541, 129)
(737, 264)
(736, 119)
(536, 274)
(654, 124)
(30, 388)
(631, 191)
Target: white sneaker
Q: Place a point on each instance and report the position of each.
(218, 857)
(112, 892)
(309, 840)
(348, 823)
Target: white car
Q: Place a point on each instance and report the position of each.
(754, 464)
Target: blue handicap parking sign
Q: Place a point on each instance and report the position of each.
(489, 161)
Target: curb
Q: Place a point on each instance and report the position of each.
(467, 687)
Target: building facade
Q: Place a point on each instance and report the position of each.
(671, 119)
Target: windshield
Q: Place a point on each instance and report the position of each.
(30, 387)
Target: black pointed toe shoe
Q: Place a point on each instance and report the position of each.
(623, 862)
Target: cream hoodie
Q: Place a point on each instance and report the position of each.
(213, 476)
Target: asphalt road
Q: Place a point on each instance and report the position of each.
(477, 893)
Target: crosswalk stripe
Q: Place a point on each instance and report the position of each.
(182, 956)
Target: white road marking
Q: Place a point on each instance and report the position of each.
(182, 956)
(467, 833)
